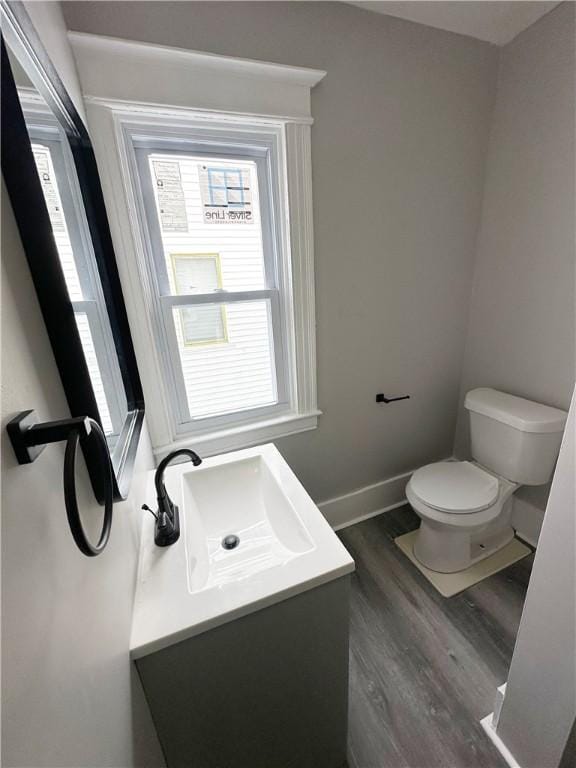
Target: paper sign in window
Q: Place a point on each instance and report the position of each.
(170, 193)
(226, 194)
(49, 187)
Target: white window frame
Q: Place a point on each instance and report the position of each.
(291, 267)
(135, 83)
(214, 139)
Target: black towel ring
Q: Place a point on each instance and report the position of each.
(29, 438)
(90, 550)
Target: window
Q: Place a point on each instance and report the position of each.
(63, 200)
(223, 287)
(213, 256)
(206, 169)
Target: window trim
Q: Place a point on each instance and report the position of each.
(111, 121)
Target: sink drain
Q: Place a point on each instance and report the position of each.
(231, 541)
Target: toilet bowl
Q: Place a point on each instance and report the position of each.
(465, 514)
(465, 507)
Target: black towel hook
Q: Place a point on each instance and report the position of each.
(29, 438)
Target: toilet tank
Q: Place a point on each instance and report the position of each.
(516, 438)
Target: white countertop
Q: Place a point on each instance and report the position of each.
(168, 610)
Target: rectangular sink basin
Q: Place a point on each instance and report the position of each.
(238, 522)
(250, 536)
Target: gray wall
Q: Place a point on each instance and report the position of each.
(68, 695)
(48, 20)
(402, 121)
(398, 148)
(66, 677)
(521, 330)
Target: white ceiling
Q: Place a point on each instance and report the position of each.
(496, 21)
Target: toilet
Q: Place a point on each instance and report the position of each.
(465, 507)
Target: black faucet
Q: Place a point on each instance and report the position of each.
(167, 527)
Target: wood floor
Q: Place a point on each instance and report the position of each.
(424, 669)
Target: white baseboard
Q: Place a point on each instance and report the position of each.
(368, 515)
(367, 502)
(500, 694)
(487, 724)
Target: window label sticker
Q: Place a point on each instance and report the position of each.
(171, 201)
(49, 188)
(226, 195)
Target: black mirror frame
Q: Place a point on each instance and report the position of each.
(32, 218)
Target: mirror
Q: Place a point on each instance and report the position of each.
(52, 180)
(63, 198)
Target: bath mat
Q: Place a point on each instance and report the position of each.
(450, 584)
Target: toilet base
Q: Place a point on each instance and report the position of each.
(451, 584)
(448, 550)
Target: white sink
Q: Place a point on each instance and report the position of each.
(243, 499)
(284, 547)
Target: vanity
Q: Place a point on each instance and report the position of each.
(240, 628)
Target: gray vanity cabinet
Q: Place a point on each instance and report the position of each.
(267, 690)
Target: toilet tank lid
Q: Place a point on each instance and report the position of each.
(524, 415)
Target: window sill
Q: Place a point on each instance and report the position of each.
(245, 436)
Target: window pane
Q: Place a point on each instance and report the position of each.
(53, 188)
(226, 356)
(94, 371)
(45, 168)
(203, 324)
(209, 208)
(196, 273)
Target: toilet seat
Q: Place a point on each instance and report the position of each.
(455, 487)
